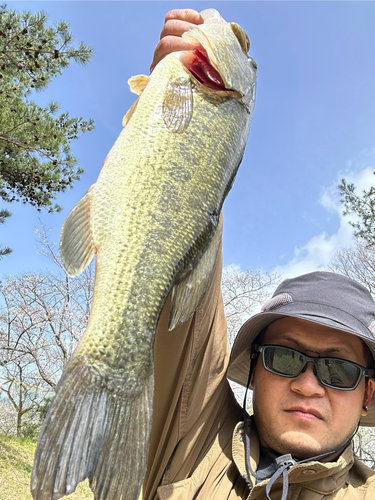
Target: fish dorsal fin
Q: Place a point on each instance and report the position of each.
(138, 83)
(177, 107)
(188, 293)
(76, 241)
(130, 112)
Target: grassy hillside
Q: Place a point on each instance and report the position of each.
(16, 458)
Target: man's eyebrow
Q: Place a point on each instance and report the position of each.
(342, 349)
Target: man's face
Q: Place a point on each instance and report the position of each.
(299, 415)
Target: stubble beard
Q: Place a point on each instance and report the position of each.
(300, 443)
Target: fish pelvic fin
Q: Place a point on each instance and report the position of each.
(138, 83)
(91, 432)
(188, 293)
(177, 109)
(76, 240)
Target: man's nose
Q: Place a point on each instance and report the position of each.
(307, 382)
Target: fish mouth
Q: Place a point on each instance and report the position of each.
(198, 64)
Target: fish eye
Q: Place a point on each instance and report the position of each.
(241, 36)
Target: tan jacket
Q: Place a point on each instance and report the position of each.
(196, 449)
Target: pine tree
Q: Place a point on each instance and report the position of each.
(36, 162)
(4, 214)
(361, 206)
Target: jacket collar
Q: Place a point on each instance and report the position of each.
(322, 477)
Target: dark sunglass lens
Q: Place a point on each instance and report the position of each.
(283, 361)
(338, 373)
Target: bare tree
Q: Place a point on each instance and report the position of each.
(243, 294)
(23, 392)
(8, 417)
(42, 318)
(364, 446)
(356, 262)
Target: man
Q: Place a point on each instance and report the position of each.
(309, 358)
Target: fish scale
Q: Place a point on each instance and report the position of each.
(152, 220)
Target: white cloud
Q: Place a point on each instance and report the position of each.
(320, 249)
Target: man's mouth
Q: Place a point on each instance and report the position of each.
(305, 413)
(198, 63)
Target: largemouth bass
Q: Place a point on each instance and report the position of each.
(151, 219)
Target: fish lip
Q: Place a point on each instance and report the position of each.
(307, 410)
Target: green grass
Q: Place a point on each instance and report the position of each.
(16, 459)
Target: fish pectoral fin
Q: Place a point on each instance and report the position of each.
(138, 83)
(76, 240)
(91, 432)
(130, 112)
(188, 293)
(177, 109)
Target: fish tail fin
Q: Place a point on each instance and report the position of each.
(91, 432)
(122, 464)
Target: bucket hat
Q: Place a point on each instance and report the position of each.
(321, 297)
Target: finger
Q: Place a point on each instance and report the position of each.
(177, 22)
(188, 15)
(167, 45)
(175, 27)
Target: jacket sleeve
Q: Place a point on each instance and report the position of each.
(191, 390)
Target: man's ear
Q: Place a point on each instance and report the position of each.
(370, 388)
(251, 386)
(254, 359)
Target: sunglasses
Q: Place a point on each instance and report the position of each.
(332, 372)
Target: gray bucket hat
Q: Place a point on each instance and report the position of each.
(325, 298)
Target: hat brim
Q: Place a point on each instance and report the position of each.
(239, 364)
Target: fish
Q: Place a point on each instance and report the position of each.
(152, 221)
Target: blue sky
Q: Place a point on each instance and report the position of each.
(314, 121)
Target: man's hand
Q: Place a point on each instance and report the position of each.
(176, 23)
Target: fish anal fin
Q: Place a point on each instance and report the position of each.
(177, 109)
(138, 83)
(130, 112)
(188, 293)
(91, 432)
(76, 240)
